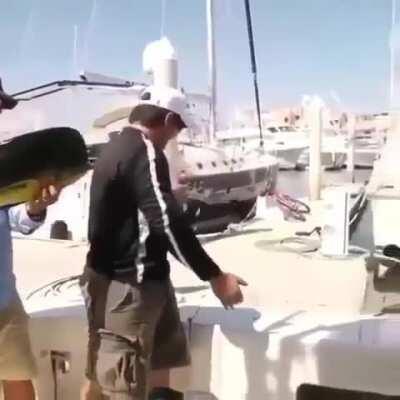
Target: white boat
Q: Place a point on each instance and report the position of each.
(367, 148)
(222, 189)
(290, 145)
(244, 141)
(293, 329)
(333, 153)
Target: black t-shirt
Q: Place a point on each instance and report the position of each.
(131, 178)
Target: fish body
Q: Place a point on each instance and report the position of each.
(29, 162)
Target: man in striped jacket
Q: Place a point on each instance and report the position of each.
(135, 333)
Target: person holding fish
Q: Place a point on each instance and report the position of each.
(17, 363)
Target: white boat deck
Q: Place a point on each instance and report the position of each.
(305, 318)
(254, 253)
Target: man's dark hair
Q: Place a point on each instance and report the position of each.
(153, 116)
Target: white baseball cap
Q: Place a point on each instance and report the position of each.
(169, 98)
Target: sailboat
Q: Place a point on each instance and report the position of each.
(222, 189)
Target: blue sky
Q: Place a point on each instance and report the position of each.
(312, 46)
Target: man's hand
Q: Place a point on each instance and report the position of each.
(227, 288)
(48, 196)
(182, 188)
(180, 193)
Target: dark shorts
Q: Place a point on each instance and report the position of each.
(133, 328)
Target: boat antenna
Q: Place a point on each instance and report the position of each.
(89, 32)
(75, 62)
(163, 15)
(254, 68)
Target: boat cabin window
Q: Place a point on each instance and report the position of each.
(285, 129)
(233, 141)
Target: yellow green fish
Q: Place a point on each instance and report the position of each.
(30, 162)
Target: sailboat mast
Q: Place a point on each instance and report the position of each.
(392, 53)
(254, 68)
(211, 68)
(75, 62)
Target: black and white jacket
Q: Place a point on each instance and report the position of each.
(130, 178)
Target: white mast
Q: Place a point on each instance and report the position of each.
(393, 136)
(163, 16)
(89, 33)
(314, 114)
(392, 51)
(75, 63)
(211, 68)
